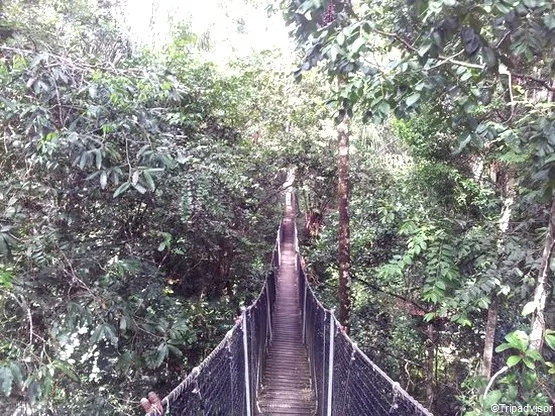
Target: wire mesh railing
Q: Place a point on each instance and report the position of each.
(346, 381)
(226, 382)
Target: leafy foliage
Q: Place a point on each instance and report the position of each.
(139, 199)
(457, 230)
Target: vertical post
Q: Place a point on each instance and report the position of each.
(246, 359)
(304, 310)
(296, 242)
(330, 361)
(268, 314)
(324, 366)
(279, 245)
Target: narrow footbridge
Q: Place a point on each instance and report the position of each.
(288, 355)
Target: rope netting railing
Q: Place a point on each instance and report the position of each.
(346, 381)
(225, 383)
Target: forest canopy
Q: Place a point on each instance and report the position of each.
(141, 187)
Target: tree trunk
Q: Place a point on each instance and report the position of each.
(541, 292)
(489, 338)
(430, 368)
(506, 184)
(344, 233)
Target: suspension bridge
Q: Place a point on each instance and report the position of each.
(287, 355)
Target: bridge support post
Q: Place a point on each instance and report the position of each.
(330, 362)
(246, 359)
(304, 311)
(296, 241)
(279, 246)
(268, 316)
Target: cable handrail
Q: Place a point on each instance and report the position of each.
(238, 337)
(323, 350)
(346, 382)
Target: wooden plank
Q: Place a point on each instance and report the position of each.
(286, 385)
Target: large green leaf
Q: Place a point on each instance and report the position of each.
(6, 380)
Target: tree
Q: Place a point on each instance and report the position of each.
(476, 66)
(137, 209)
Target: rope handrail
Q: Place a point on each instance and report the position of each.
(345, 381)
(234, 366)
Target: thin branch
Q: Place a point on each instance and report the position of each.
(127, 158)
(75, 64)
(540, 81)
(546, 390)
(395, 295)
(23, 305)
(507, 33)
(446, 59)
(60, 108)
(504, 369)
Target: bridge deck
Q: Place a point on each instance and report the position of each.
(286, 387)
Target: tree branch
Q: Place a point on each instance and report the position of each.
(540, 81)
(505, 368)
(446, 59)
(395, 295)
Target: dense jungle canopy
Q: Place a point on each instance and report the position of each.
(142, 165)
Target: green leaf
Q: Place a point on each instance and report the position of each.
(529, 308)
(494, 396)
(135, 177)
(123, 323)
(425, 48)
(534, 355)
(412, 99)
(518, 340)
(503, 347)
(357, 44)
(84, 159)
(7, 103)
(124, 362)
(550, 341)
(148, 180)
(98, 158)
(38, 59)
(161, 353)
(340, 39)
(103, 179)
(104, 332)
(140, 188)
(549, 21)
(528, 362)
(122, 188)
(490, 58)
(513, 360)
(175, 351)
(66, 369)
(92, 91)
(467, 74)
(34, 390)
(6, 381)
(17, 374)
(532, 4)
(429, 316)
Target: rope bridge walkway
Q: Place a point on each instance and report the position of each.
(287, 355)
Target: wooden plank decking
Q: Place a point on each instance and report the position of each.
(286, 387)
